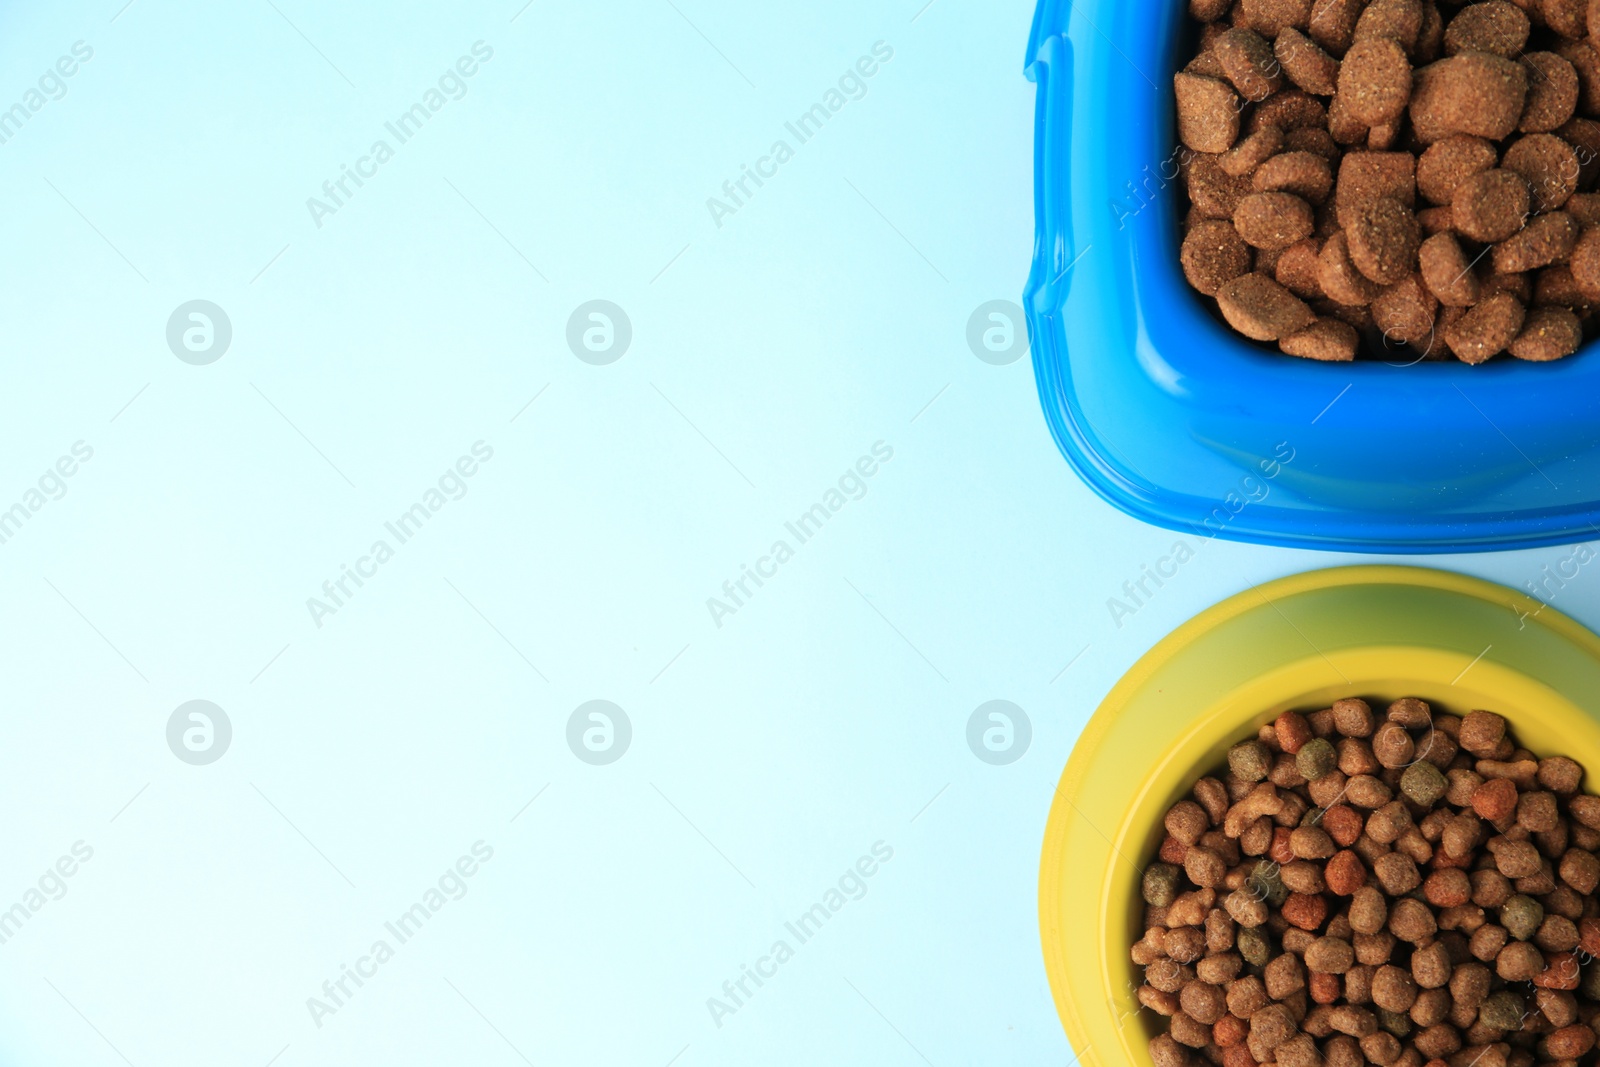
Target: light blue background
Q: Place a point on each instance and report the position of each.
(768, 755)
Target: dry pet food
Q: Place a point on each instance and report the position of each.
(1399, 887)
(1409, 180)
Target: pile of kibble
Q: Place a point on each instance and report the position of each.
(1395, 175)
(1403, 889)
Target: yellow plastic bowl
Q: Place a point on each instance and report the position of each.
(1299, 643)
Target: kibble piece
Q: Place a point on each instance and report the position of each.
(1316, 759)
(1243, 158)
(1400, 20)
(1473, 92)
(1273, 220)
(1521, 916)
(1446, 271)
(1304, 174)
(1330, 955)
(1490, 206)
(1423, 784)
(1247, 61)
(1345, 873)
(1249, 761)
(1502, 1011)
(1545, 240)
(1261, 309)
(1271, 17)
(1548, 333)
(1213, 254)
(1548, 164)
(1214, 192)
(1586, 61)
(1375, 80)
(1208, 113)
(1494, 26)
(1552, 92)
(1392, 746)
(1333, 24)
(1307, 65)
(1297, 269)
(1585, 263)
(1486, 330)
(1405, 313)
(1383, 239)
(1449, 162)
(1481, 733)
(1366, 176)
(1569, 18)
(1328, 340)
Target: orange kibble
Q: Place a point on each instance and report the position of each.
(1325, 988)
(1308, 911)
(1173, 851)
(1560, 971)
(1344, 824)
(1495, 800)
(1292, 730)
(1229, 1031)
(1279, 851)
(1345, 873)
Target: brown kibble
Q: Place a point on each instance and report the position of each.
(1213, 254)
(1307, 65)
(1261, 309)
(1339, 278)
(1585, 263)
(1366, 176)
(1298, 266)
(1548, 333)
(1447, 888)
(1330, 955)
(1490, 206)
(1289, 110)
(1204, 867)
(1545, 240)
(1552, 92)
(1242, 159)
(1482, 732)
(1186, 821)
(1208, 113)
(1396, 873)
(1449, 162)
(1333, 24)
(1514, 859)
(1375, 80)
(1560, 775)
(1166, 1052)
(1399, 19)
(1365, 791)
(1304, 174)
(1283, 976)
(1548, 164)
(1357, 1022)
(1446, 271)
(1383, 240)
(1580, 869)
(1473, 92)
(1369, 910)
(1537, 811)
(1569, 18)
(1247, 61)
(1352, 717)
(1272, 17)
(1405, 312)
(1204, 1003)
(1496, 27)
(1569, 1042)
(1214, 192)
(1485, 330)
(1273, 220)
(1392, 746)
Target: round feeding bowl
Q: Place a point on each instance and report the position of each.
(1295, 644)
(1175, 419)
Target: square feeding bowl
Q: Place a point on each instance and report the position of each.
(1176, 420)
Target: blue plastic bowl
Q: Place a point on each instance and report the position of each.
(1178, 421)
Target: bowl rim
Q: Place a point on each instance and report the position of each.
(1081, 972)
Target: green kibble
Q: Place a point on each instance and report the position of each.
(1162, 883)
(1502, 1011)
(1253, 945)
(1313, 817)
(1397, 1023)
(1250, 761)
(1521, 916)
(1423, 783)
(1316, 759)
(1267, 884)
